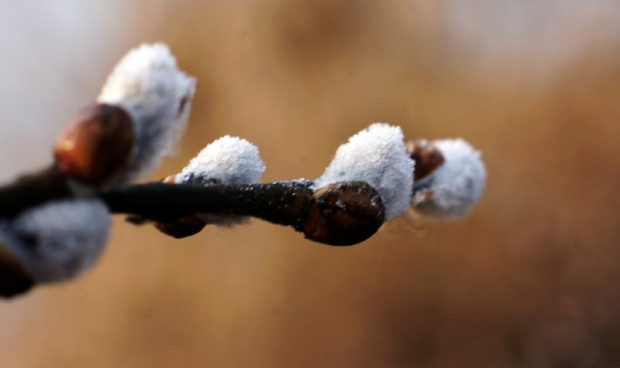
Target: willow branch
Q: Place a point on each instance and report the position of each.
(282, 203)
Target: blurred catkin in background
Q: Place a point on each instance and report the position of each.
(529, 279)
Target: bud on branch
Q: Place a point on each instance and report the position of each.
(54, 224)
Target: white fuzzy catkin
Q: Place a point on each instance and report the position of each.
(376, 155)
(228, 160)
(59, 240)
(157, 95)
(454, 187)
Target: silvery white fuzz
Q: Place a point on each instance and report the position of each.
(157, 95)
(376, 155)
(59, 240)
(228, 160)
(450, 191)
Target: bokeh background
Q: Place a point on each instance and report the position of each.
(529, 279)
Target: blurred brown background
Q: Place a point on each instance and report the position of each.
(530, 279)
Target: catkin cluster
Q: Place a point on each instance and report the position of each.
(139, 118)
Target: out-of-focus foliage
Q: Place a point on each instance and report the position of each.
(529, 279)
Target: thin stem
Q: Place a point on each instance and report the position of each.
(283, 203)
(342, 213)
(14, 279)
(32, 190)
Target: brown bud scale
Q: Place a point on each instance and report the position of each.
(95, 147)
(426, 156)
(182, 227)
(344, 213)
